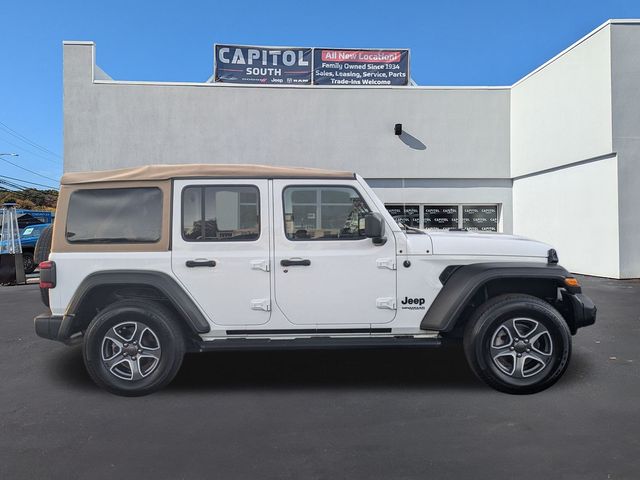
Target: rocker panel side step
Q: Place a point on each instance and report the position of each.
(318, 343)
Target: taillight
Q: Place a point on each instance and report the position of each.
(47, 274)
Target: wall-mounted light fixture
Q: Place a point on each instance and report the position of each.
(398, 129)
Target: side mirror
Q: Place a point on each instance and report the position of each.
(374, 227)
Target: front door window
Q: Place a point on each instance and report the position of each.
(324, 213)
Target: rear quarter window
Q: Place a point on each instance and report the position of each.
(115, 215)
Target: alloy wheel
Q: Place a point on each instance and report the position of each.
(130, 351)
(521, 347)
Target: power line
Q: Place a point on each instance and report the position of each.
(11, 188)
(6, 187)
(26, 181)
(19, 192)
(20, 180)
(11, 131)
(12, 185)
(27, 170)
(55, 162)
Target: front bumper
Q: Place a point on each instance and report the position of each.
(53, 327)
(584, 310)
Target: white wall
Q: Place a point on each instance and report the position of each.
(575, 209)
(116, 124)
(565, 170)
(625, 64)
(561, 112)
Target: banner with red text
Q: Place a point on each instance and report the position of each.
(344, 66)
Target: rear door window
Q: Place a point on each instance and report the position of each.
(220, 213)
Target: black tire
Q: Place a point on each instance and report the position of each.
(508, 356)
(43, 246)
(28, 262)
(168, 337)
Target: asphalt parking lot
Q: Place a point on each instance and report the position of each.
(323, 414)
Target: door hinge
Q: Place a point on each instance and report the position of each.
(260, 265)
(389, 263)
(386, 302)
(261, 304)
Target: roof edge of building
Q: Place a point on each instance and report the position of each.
(629, 21)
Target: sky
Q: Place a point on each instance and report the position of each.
(452, 43)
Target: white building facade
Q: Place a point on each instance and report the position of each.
(556, 156)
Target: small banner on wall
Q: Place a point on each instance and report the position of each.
(405, 214)
(262, 65)
(480, 217)
(360, 67)
(442, 217)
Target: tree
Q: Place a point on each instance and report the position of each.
(30, 198)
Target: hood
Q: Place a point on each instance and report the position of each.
(471, 243)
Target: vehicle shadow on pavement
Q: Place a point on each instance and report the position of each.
(443, 368)
(67, 367)
(328, 369)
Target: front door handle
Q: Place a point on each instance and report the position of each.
(289, 262)
(200, 263)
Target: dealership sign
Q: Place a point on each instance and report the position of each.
(360, 67)
(262, 65)
(305, 66)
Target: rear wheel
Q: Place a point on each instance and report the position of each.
(133, 347)
(43, 246)
(517, 344)
(28, 262)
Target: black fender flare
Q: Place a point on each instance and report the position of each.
(461, 283)
(166, 284)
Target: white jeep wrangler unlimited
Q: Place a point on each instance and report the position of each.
(149, 263)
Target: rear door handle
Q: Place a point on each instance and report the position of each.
(289, 262)
(200, 263)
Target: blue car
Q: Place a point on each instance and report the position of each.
(29, 236)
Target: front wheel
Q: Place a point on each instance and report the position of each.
(133, 347)
(517, 344)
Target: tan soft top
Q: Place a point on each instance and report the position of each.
(166, 172)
